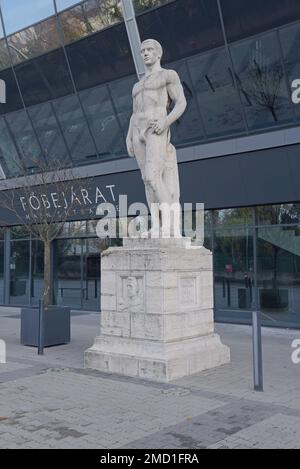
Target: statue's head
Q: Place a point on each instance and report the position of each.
(151, 51)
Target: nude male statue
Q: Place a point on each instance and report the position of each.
(149, 132)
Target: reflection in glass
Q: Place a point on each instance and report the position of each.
(37, 268)
(75, 129)
(101, 58)
(260, 77)
(88, 17)
(285, 214)
(49, 134)
(189, 127)
(8, 154)
(233, 270)
(143, 5)
(218, 99)
(13, 98)
(279, 275)
(34, 41)
(184, 27)
(243, 19)
(19, 272)
(290, 43)
(4, 56)
(121, 92)
(25, 139)
(18, 14)
(103, 121)
(37, 79)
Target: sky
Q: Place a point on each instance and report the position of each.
(21, 13)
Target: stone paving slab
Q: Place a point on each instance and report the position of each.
(52, 402)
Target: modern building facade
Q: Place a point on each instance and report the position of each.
(69, 68)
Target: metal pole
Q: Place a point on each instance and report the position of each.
(256, 320)
(41, 328)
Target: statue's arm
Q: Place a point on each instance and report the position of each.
(129, 140)
(176, 94)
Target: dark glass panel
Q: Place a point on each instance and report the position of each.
(184, 27)
(290, 42)
(141, 6)
(8, 153)
(246, 18)
(101, 58)
(262, 82)
(75, 129)
(121, 92)
(103, 121)
(13, 99)
(88, 17)
(26, 141)
(34, 41)
(189, 127)
(49, 134)
(218, 99)
(44, 78)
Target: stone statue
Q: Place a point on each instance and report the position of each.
(148, 139)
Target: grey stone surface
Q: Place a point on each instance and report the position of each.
(52, 402)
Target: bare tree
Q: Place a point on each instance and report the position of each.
(42, 205)
(263, 86)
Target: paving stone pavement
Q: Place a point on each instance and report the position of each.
(52, 402)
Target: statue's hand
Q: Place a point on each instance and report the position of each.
(159, 125)
(130, 149)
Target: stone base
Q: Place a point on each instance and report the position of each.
(157, 311)
(157, 362)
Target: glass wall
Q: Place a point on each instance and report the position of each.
(76, 55)
(277, 235)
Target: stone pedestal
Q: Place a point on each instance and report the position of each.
(157, 311)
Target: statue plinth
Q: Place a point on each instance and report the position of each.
(157, 311)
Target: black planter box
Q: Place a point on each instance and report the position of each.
(274, 299)
(57, 326)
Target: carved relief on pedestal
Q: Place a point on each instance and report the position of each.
(131, 298)
(188, 292)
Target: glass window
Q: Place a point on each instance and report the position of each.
(13, 98)
(4, 56)
(34, 41)
(28, 147)
(44, 78)
(232, 216)
(49, 134)
(143, 5)
(103, 121)
(184, 27)
(290, 41)
(278, 258)
(63, 4)
(218, 99)
(19, 272)
(75, 129)
(286, 214)
(8, 152)
(88, 17)
(18, 14)
(121, 92)
(243, 19)
(262, 82)
(101, 58)
(189, 127)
